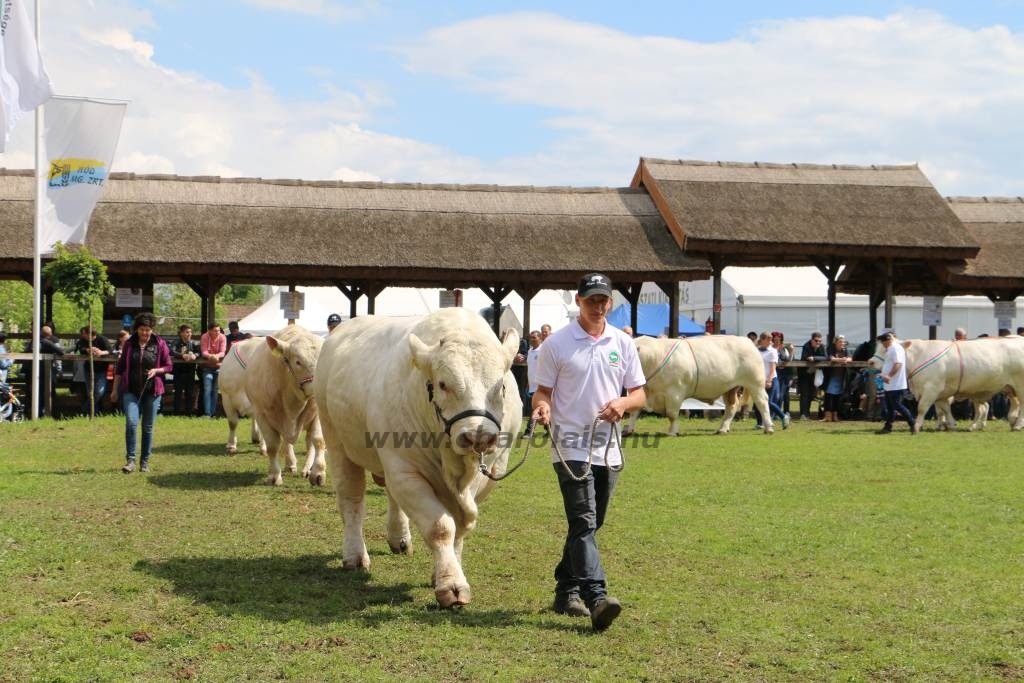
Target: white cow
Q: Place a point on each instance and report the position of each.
(421, 402)
(231, 386)
(703, 368)
(279, 385)
(976, 369)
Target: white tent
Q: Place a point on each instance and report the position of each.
(548, 306)
(795, 301)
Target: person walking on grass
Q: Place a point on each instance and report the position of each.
(581, 372)
(138, 381)
(894, 377)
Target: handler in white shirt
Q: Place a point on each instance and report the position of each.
(894, 376)
(581, 371)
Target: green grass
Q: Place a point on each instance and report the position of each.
(819, 553)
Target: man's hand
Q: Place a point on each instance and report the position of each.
(613, 410)
(542, 414)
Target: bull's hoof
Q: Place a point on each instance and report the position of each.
(770, 430)
(292, 469)
(403, 548)
(317, 479)
(231, 450)
(1015, 428)
(453, 596)
(273, 480)
(358, 563)
(378, 479)
(723, 430)
(626, 431)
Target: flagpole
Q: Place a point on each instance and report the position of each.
(37, 259)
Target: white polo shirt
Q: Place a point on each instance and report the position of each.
(895, 354)
(531, 368)
(584, 374)
(769, 355)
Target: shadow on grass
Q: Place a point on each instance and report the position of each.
(195, 448)
(206, 481)
(311, 588)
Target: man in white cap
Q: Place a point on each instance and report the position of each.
(894, 378)
(581, 372)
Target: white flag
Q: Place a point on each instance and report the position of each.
(81, 136)
(24, 84)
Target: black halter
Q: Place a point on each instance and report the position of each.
(465, 413)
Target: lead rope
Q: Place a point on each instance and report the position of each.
(614, 431)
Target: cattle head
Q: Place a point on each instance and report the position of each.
(299, 355)
(466, 385)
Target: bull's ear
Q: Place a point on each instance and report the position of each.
(421, 353)
(511, 347)
(907, 343)
(277, 347)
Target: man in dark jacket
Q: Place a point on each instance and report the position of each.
(813, 350)
(184, 349)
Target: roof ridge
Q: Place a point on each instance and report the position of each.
(790, 165)
(985, 200)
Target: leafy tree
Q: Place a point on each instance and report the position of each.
(176, 304)
(251, 295)
(81, 279)
(16, 309)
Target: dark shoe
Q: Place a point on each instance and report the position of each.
(604, 613)
(884, 430)
(129, 467)
(571, 606)
(144, 467)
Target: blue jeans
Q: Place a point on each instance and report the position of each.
(894, 405)
(147, 407)
(210, 391)
(774, 394)
(580, 571)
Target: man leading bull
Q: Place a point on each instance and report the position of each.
(581, 371)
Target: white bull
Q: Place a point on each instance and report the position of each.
(278, 377)
(703, 368)
(231, 386)
(421, 403)
(976, 369)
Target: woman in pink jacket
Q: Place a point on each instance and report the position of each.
(139, 383)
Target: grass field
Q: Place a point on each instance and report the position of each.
(824, 552)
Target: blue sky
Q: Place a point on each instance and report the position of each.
(546, 93)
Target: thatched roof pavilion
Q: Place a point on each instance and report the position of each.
(761, 214)
(208, 231)
(997, 225)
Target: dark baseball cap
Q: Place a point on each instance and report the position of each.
(233, 325)
(885, 336)
(333, 319)
(594, 283)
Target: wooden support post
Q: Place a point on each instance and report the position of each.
(671, 289)
(631, 292)
(496, 295)
(717, 266)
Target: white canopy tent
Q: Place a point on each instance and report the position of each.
(794, 301)
(548, 306)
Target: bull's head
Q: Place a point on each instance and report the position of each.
(299, 355)
(465, 383)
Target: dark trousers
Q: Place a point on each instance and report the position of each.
(893, 405)
(807, 392)
(185, 390)
(580, 571)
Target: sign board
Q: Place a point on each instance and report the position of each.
(291, 315)
(931, 311)
(128, 297)
(292, 302)
(450, 298)
(1005, 310)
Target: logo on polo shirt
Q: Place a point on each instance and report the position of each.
(613, 359)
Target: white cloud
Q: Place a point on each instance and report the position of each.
(909, 87)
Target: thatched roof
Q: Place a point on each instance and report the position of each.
(256, 230)
(997, 223)
(783, 214)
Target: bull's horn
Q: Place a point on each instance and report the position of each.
(421, 353)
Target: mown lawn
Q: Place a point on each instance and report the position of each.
(819, 553)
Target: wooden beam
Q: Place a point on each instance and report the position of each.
(631, 292)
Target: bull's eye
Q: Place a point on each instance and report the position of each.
(442, 386)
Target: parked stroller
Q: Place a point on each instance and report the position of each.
(11, 409)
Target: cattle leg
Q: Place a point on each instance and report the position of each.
(944, 415)
(1014, 417)
(732, 404)
(350, 490)
(631, 426)
(274, 443)
(980, 415)
(316, 466)
(925, 401)
(231, 412)
(254, 432)
(672, 404)
(761, 401)
(399, 536)
(437, 526)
